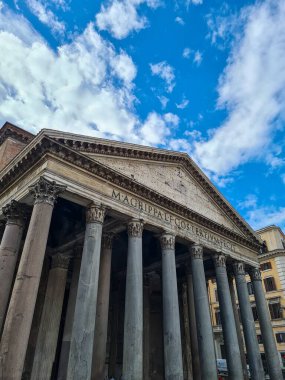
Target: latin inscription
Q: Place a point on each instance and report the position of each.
(171, 219)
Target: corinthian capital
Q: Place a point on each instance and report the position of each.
(239, 268)
(167, 241)
(220, 260)
(15, 212)
(135, 228)
(196, 251)
(107, 240)
(45, 191)
(95, 213)
(255, 274)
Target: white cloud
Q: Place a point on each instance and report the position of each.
(249, 201)
(165, 72)
(46, 16)
(186, 53)
(121, 17)
(163, 100)
(157, 128)
(194, 2)
(84, 87)
(179, 20)
(252, 90)
(183, 104)
(198, 58)
(266, 216)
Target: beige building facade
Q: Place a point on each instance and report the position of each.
(272, 265)
(105, 256)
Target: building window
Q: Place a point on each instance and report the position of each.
(249, 288)
(216, 295)
(275, 308)
(280, 337)
(218, 317)
(259, 339)
(269, 284)
(266, 266)
(254, 313)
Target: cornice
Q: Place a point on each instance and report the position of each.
(274, 253)
(47, 145)
(124, 150)
(10, 130)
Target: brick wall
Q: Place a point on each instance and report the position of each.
(8, 150)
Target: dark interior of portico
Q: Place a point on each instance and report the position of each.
(66, 236)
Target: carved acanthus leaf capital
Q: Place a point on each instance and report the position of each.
(95, 213)
(220, 260)
(15, 211)
(45, 191)
(239, 268)
(167, 241)
(107, 240)
(255, 274)
(196, 251)
(60, 261)
(135, 228)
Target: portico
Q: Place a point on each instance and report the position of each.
(142, 218)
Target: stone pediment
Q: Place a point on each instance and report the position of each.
(169, 178)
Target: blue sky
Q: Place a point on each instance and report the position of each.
(205, 77)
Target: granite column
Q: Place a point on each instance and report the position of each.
(82, 338)
(50, 321)
(133, 324)
(15, 214)
(171, 321)
(228, 319)
(102, 311)
(65, 346)
(19, 317)
(203, 319)
(271, 353)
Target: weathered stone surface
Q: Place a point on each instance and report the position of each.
(173, 182)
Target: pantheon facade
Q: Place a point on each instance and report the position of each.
(106, 252)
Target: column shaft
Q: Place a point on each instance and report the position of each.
(21, 308)
(82, 339)
(9, 250)
(102, 311)
(238, 329)
(193, 329)
(187, 339)
(203, 319)
(228, 320)
(65, 346)
(252, 348)
(171, 321)
(116, 298)
(50, 321)
(146, 317)
(133, 324)
(272, 355)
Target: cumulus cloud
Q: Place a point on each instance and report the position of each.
(186, 53)
(85, 86)
(121, 17)
(198, 58)
(179, 20)
(157, 127)
(46, 16)
(251, 89)
(165, 72)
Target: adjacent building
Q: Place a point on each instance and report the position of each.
(272, 266)
(105, 255)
